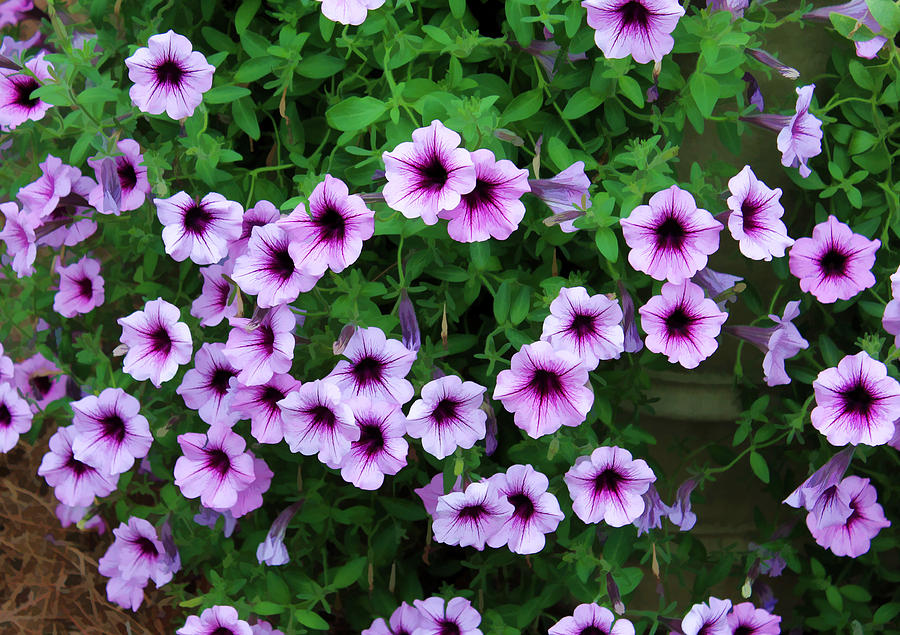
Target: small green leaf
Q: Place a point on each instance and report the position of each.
(834, 598)
(522, 106)
(244, 115)
(225, 94)
(886, 613)
(53, 94)
(705, 91)
(244, 15)
(887, 14)
(850, 28)
(310, 619)
(320, 66)
(520, 305)
(255, 68)
(759, 466)
(631, 89)
(501, 302)
(855, 593)
(349, 573)
(607, 243)
(355, 113)
(581, 103)
(458, 8)
(267, 608)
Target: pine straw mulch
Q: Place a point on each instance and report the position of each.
(49, 584)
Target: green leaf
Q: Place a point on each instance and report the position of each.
(355, 113)
(501, 302)
(522, 106)
(855, 593)
(862, 141)
(458, 8)
(520, 305)
(887, 14)
(53, 94)
(437, 34)
(480, 254)
(581, 103)
(267, 608)
(244, 115)
(705, 91)
(320, 66)
(244, 15)
(218, 40)
(255, 68)
(629, 87)
(759, 466)
(850, 28)
(349, 573)
(886, 613)
(607, 243)
(225, 94)
(834, 598)
(310, 619)
(96, 95)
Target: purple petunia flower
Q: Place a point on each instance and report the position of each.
(127, 173)
(110, 433)
(429, 174)
(7, 368)
(752, 92)
(608, 485)
(214, 466)
(251, 497)
(157, 342)
(137, 554)
(891, 318)
(856, 402)
(262, 627)
(264, 349)
(671, 237)
(69, 516)
(332, 234)
(403, 621)
(272, 550)
(535, 510)
(434, 490)
(74, 483)
(448, 416)
(260, 215)
(545, 389)
(680, 512)
(779, 342)
(13, 11)
(718, 286)
(80, 288)
(216, 620)
(835, 264)
(755, 219)
(492, 209)
(735, 7)
(18, 234)
(853, 536)
(209, 517)
(633, 341)
(681, 324)
(260, 404)
(199, 230)
(381, 449)
(470, 518)
(799, 135)
(169, 76)
(377, 367)
(708, 619)
(270, 268)
(590, 619)
(640, 28)
(822, 479)
(764, 57)
(39, 378)
(213, 305)
(456, 616)
(206, 388)
(69, 223)
(40, 197)
(16, 103)
(746, 619)
(654, 511)
(832, 507)
(351, 12)
(15, 417)
(859, 10)
(589, 326)
(318, 420)
(411, 337)
(566, 194)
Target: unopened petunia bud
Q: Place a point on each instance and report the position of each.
(343, 339)
(409, 325)
(772, 62)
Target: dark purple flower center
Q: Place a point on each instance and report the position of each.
(608, 481)
(127, 174)
(85, 288)
(833, 263)
(40, 385)
(196, 219)
(146, 547)
(545, 383)
(583, 325)
(323, 417)
(449, 627)
(743, 629)
(481, 195)
(218, 461)
(591, 630)
(113, 427)
(222, 631)
(77, 466)
(522, 503)
(332, 225)
(160, 342)
(678, 322)
(706, 629)
(169, 73)
(5, 416)
(634, 13)
(367, 371)
(371, 438)
(402, 631)
(267, 338)
(271, 396)
(24, 86)
(282, 264)
(669, 233)
(749, 212)
(472, 512)
(445, 411)
(434, 174)
(221, 379)
(857, 399)
(248, 225)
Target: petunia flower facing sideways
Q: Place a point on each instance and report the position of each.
(592, 619)
(216, 620)
(260, 350)
(565, 194)
(708, 619)
(74, 483)
(81, 288)
(16, 103)
(746, 619)
(272, 550)
(40, 379)
(440, 617)
(404, 619)
(157, 342)
(19, 237)
(169, 76)
(830, 474)
(212, 306)
(853, 536)
(260, 404)
(799, 135)
(545, 389)
(755, 219)
(128, 174)
(778, 343)
(835, 264)
(608, 485)
(428, 174)
(640, 28)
